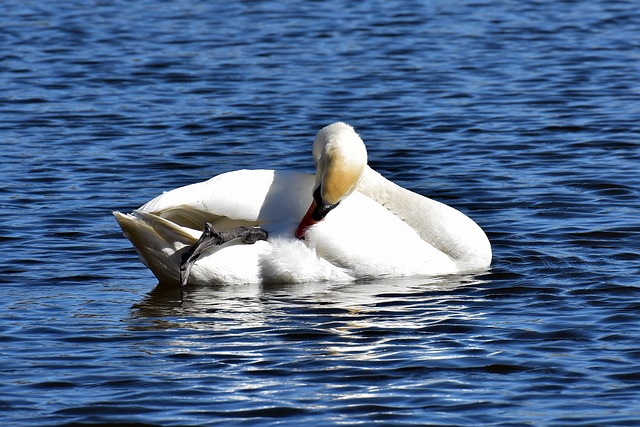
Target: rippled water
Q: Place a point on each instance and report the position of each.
(525, 115)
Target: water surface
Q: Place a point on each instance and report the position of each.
(524, 115)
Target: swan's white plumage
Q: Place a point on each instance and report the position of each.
(245, 196)
(362, 236)
(377, 230)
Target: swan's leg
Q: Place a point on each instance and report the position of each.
(211, 237)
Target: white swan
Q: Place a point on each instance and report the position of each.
(359, 224)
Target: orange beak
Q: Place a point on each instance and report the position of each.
(307, 221)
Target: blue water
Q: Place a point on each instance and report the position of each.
(523, 114)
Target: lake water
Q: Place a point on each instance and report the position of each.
(523, 114)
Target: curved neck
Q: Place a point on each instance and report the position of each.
(444, 227)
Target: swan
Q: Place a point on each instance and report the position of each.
(346, 222)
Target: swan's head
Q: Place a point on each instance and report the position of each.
(340, 158)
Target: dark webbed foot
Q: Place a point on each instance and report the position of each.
(210, 237)
(250, 235)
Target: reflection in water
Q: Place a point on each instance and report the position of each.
(212, 308)
(357, 320)
(335, 343)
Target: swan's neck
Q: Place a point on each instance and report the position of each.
(447, 229)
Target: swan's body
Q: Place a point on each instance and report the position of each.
(360, 225)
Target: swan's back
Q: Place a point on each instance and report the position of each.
(244, 197)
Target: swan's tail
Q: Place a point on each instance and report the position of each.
(159, 242)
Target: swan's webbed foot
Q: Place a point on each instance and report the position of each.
(210, 237)
(250, 235)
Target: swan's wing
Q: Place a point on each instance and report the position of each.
(367, 240)
(445, 228)
(245, 197)
(159, 242)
